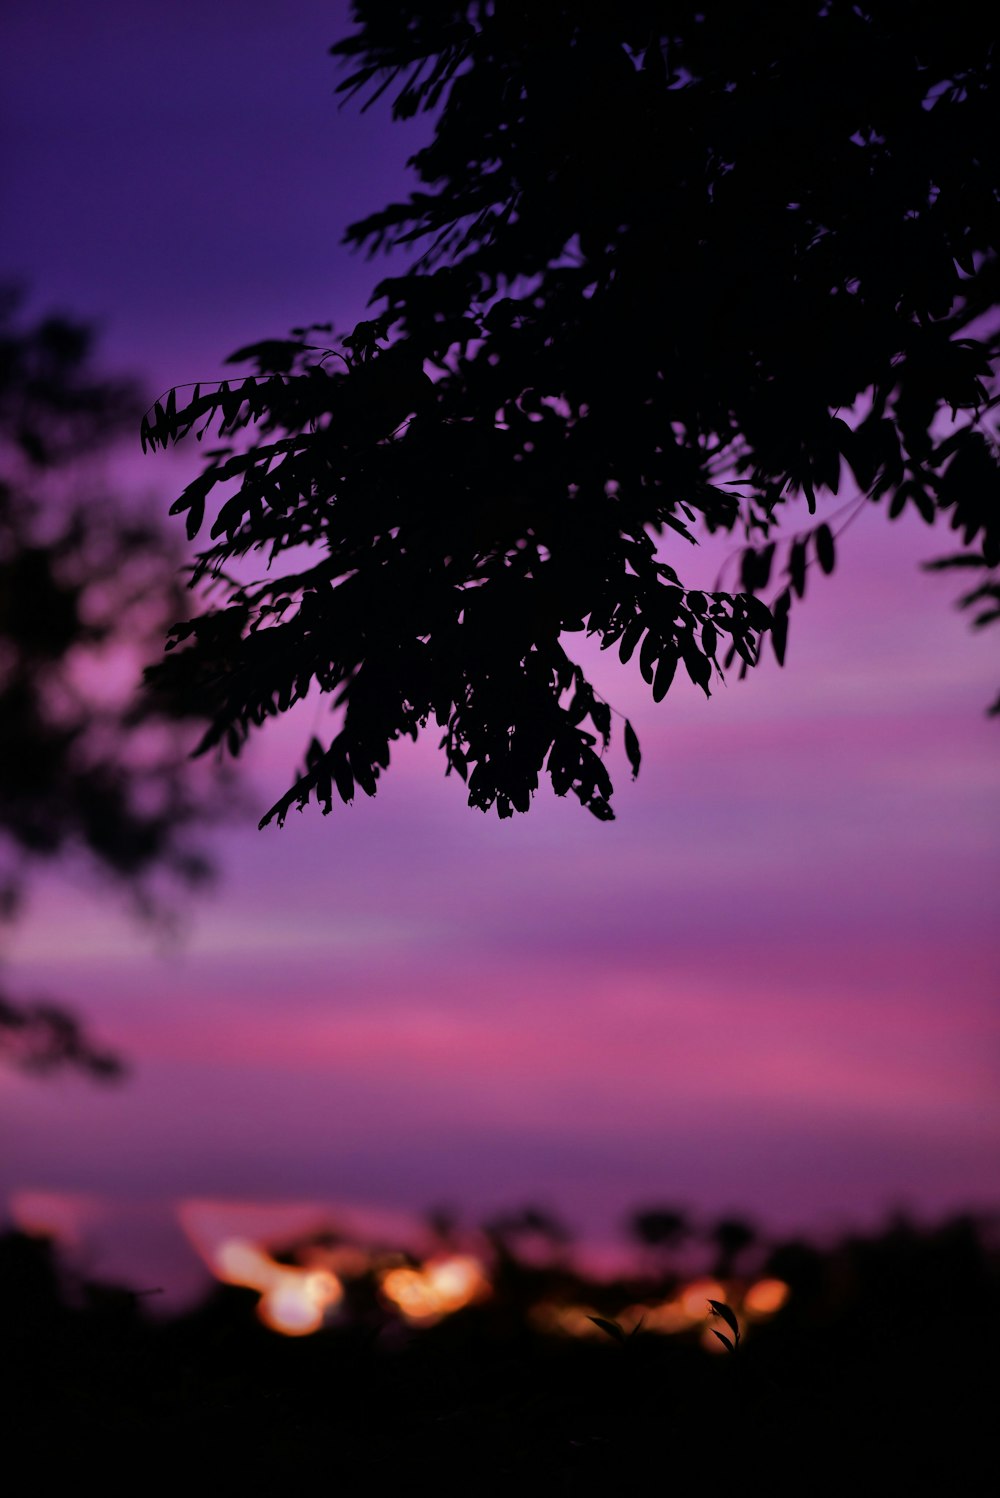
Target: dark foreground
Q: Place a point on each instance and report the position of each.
(878, 1375)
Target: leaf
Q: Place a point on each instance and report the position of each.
(699, 667)
(742, 644)
(613, 1330)
(664, 674)
(344, 780)
(632, 749)
(630, 639)
(779, 625)
(719, 1308)
(797, 569)
(755, 572)
(825, 552)
(723, 1339)
(680, 528)
(757, 612)
(600, 716)
(224, 400)
(457, 761)
(648, 655)
(195, 516)
(363, 772)
(959, 559)
(324, 789)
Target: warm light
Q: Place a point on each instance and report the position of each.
(409, 1293)
(565, 1320)
(457, 1281)
(765, 1298)
(710, 1341)
(293, 1301)
(687, 1309)
(238, 1262)
(346, 1260)
(690, 1309)
(439, 1288)
(665, 1319)
(695, 1297)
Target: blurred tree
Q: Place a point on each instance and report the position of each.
(732, 1237)
(682, 264)
(91, 764)
(529, 1231)
(659, 1227)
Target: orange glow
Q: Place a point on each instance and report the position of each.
(293, 1301)
(765, 1298)
(665, 1319)
(695, 1297)
(689, 1309)
(685, 1311)
(66, 1216)
(346, 1260)
(238, 1262)
(565, 1320)
(710, 1341)
(439, 1288)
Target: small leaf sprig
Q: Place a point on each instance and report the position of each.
(719, 1308)
(615, 1331)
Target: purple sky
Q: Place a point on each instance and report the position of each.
(769, 986)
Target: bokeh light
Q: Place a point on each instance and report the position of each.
(439, 1288)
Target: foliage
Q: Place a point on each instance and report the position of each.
(680, 265)
(42, 1036)
(881, 1361)
(728, 1315)
(92, 764)
(659, 1227)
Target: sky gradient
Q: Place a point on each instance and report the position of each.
(770, 986)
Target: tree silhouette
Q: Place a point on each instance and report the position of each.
(732, 1237)
(92, 765)
(680, 265)
(659, 1227)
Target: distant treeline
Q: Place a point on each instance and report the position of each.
(876, 1367)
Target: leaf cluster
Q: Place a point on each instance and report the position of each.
(91, 763)
(82, 581)
(728, 1315)
(672, 275)
(42, 1037)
